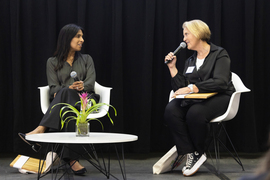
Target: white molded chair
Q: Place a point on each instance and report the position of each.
(104, 93)
(228, 115)
(235, 100)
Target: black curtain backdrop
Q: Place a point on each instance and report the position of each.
(128, 40)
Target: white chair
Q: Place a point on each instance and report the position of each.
(228, 115)
(104, 93)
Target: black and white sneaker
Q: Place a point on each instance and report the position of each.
(183, 169)
(194, 162)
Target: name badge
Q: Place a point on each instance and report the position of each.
(190, 69)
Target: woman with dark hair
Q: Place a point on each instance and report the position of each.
(207, 70)
(63, 88)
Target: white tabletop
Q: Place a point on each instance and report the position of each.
(70, 138)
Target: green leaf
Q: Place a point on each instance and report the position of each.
(79, 116)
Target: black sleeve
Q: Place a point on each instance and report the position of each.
(221, 75)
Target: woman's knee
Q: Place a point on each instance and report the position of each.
(67, 90)
(173, 112)
(196, 116)
(169, 109)
(67, 95)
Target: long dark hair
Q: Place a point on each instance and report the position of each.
(66, 34)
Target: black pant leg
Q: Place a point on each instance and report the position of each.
(174, 117)
(199, 115)
(51, 118)
(189, 124)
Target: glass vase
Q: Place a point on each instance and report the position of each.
(82, 130)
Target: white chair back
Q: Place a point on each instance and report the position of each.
(238, 84)
(234, 101)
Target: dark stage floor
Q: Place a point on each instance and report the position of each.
(139, 167)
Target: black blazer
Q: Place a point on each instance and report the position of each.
(213, 76)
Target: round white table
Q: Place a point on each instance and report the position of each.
(70, 138)
(94, 138)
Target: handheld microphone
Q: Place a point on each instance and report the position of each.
(73, 74)
(181, 46)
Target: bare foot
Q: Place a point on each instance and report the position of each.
(39, 129)
(75, 166)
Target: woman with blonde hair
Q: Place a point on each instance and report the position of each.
(207, 70)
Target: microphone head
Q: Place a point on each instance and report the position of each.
(183, 45)
(73, 74)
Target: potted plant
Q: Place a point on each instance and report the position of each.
(88, 106)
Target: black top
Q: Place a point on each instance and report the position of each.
(83, 66)
(213, 76)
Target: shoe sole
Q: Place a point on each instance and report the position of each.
(190, 172)
(183, 169)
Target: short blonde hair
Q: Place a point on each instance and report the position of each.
(199, 29)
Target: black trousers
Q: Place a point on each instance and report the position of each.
(51, 118)
(189, 124)
(52, 121)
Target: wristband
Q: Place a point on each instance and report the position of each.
(190, 86)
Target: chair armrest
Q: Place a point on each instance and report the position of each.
(105, 93)
(170, 96)
(44, 98)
